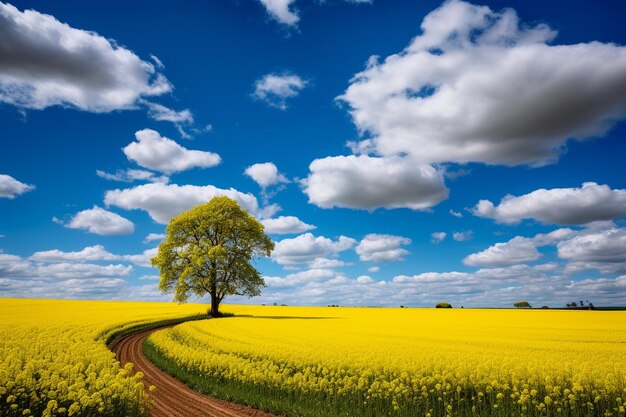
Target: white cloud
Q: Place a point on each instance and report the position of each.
(363, 182)
(285, 225)
(154, 236)
(364, 279)
(306, 248)
(432, 277)
(162, 113)
(325, 263)
(281, 11)
(10, 187)
(611, 291)
(143, 259)
(130, 175)
(438, 237)
(382, 248)
(456, 214)
(265, 174)
(163, 202)
(162, 154)
(589, 203)
(20, 278)
(602, 246)
(555, 236)
(373, 269)
(540, 284)
(90, 253)
(479, 86)
(44, 62)
(157, 61)
(302, 277)
(101, 222)
(180, 119)
(275, 89)
(518, 250)
(67, 270)
(149, 278)
(463, 236)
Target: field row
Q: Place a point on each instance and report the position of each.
(415, 362)
(54, 360)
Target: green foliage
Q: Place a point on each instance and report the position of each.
(522, 304)
(209, 250)
(443, 305)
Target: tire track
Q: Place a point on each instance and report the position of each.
(173, 398)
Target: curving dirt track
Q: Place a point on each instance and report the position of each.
(173, 398)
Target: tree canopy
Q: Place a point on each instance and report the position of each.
(210, 249)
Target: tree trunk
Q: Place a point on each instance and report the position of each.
(215, 305)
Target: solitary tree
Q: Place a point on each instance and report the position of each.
(209, 250)
(522, 304)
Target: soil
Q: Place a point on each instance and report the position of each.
(173, 398)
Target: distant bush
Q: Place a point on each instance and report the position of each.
(443, 305)
(522, 304)
(545, 307)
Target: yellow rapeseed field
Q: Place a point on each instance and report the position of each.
(54, 361)
(409, 362)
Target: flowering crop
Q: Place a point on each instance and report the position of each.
(407, 362)
(54, 361)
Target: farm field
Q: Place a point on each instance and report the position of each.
(406, 362)
(54, 360)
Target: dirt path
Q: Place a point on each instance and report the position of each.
(172, 397)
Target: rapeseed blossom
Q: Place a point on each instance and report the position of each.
(54, 361)
(414, 362)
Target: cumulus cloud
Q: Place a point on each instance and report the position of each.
(554, 237)
(67, 270)
(162, 202)
(10, 187)
(265, 174)
(477, 85)
(162, 154)
(600, 246)
(432, 277)
(364, 279)
(306, 248)
(44, 62)
(151, 237)
(326, 263)
(101, 222)
(382, 248)
(438, 237)
(591, 202)
(373, 269)
(180, 118)
(286, 225)
(364, 182)
(456, 214)
(611, 291)
(276, 89)
(142, 259)
(35, 278)
(162, 113)
(281, 11)
(463, 236)
(90, 253)
(518, 250)
(131, 175)
(301, 277)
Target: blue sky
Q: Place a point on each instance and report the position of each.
(376, 140)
